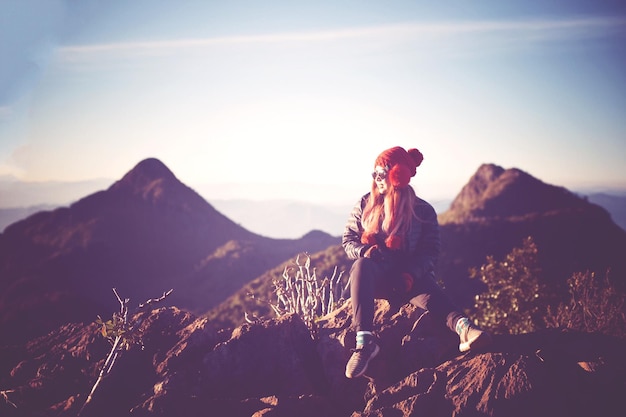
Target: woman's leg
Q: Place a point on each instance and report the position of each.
(428, 295)
(363, 278)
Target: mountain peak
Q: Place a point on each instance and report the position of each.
(478, 184)
(149, 178)
(497, 192)
(148, 170)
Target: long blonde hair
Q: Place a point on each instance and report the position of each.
(390, 213)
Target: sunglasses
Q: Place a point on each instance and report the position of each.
(379, 175)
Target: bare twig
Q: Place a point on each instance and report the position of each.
(6, 397)
(119, 331)
(156, 300)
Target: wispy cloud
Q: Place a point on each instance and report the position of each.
(536, 30)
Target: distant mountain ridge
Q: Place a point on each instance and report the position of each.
(614, 204)
(145, 234)
(11, 215)
(285, 218)
(15, 193)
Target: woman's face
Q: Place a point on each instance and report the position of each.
(381, 179)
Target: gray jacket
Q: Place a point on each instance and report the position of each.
(422, 243)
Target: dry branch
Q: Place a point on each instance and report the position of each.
(121, 334)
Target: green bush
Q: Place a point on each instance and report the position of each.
(513, 301)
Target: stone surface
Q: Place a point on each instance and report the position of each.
(277, 368)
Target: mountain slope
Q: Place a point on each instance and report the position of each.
(615, 204)
(498, 208)
(146, 234)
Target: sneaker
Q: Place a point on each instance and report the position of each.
(361, 357)
(473, 338)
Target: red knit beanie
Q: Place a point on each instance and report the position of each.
(401, 164)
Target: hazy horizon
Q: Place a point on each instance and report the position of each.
(15, 193)
(273, 216)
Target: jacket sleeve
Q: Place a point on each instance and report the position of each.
(427, 244)
(351, 240)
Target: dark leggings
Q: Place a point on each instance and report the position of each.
(370, 279)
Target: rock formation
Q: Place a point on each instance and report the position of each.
(280, 367)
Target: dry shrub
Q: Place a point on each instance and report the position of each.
(595, 306)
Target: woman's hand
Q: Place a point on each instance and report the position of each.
(374, 253)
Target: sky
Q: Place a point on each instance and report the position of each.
(295, 99)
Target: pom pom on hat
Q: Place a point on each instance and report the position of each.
(402, 164)
(416, 155)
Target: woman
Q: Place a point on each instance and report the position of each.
(393, 237)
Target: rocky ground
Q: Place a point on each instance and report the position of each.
(279, 368)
